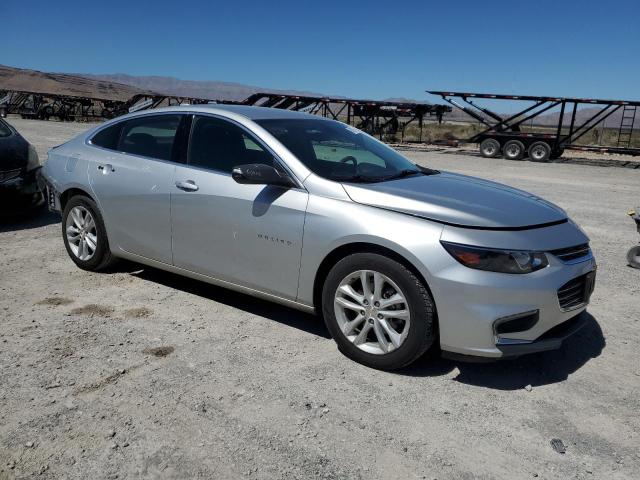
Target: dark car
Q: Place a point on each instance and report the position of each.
(19, 166)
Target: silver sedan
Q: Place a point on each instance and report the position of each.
(315, 214)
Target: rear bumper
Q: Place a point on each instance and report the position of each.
(51, 195)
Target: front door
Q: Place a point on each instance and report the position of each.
(245, 234)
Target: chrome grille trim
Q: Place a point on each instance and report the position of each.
(571, 254)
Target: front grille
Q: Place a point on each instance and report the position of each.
(9, 175)
(576, 292)
(572, 253)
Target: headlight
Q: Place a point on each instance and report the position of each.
(492, 260)
(33, 161)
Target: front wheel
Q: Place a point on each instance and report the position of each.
(84, 234)
(378, 312)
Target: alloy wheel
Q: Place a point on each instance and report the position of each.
(82, 234)
(372, 312)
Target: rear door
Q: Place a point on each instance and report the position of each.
(132, 179)
(246, 234)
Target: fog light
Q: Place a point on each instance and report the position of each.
(519, 322)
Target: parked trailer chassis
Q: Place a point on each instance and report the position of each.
(503, 135)
(44, 106)
(376, 118)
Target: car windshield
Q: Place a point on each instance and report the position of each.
(339, 152)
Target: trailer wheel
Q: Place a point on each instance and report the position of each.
(557, 153)
(490, 148)
(513, 150)
(540, 152)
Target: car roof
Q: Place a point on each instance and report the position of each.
(250, 112)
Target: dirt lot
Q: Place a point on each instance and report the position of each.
(144, 374)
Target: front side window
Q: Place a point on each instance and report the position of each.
(217, 144)
(337, 151)
(150, 136)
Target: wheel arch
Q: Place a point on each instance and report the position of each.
(72, 192)
(347, 249)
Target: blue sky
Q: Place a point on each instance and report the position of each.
(358, 49)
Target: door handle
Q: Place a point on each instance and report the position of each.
(187, 186)
(106, 168)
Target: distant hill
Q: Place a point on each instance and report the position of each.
(209, 89)
(64, 84)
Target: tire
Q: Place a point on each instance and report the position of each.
(633, 257)
(513, 150)
(98, 258)
(413, 333)
(490, 148)
(539, 152)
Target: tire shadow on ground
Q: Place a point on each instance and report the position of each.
(535, 369)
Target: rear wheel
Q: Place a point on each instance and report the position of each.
(513, 150)
(378, 312)
(633, 257)
(490, 148)
(540, 152)
(84, 234)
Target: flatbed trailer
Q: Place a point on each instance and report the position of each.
(504, 134)
(374, 117)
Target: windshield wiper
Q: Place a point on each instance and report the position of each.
(360, 178)
(403, 173)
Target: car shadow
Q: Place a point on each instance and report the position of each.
(272, 311)
(38, 217)
(535, 369)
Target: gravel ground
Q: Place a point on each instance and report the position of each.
(144, 374)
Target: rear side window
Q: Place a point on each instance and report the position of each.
(150, 136)
(220, 145)
(108, 137)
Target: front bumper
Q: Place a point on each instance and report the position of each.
(551, 340)
(19, 191)
(472, 304)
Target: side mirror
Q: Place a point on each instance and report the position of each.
(260, 174)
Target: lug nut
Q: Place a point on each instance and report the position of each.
(380, 316)
(366, 302)
(361, 312)
(371, 320)
(376, 304)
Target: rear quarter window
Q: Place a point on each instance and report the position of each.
(108, 137)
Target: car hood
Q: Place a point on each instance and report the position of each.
(458, 200)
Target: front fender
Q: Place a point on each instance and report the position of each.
(333, 223)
